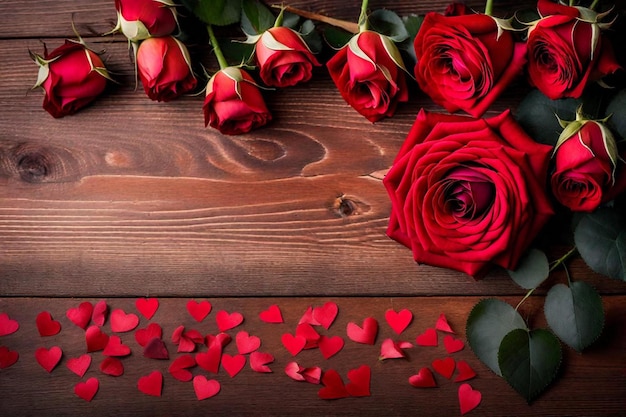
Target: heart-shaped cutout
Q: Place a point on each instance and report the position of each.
(312, 375)
(309, 333)
(147, 306)
(398, 320)
(115, 347)
(259, 361)
(452, 345)
(465, 371)
(246, 343)
(81, 315)
(359, 385)
(365, 334)
(330, 346)
(122, 322)
(199, 309)
(271, 315)
(88, 389)
(469, 398)
(48, 359)
(46, 325)
(307, 317)
(8, 357)
(390, 350)
(7, 325)
(442, 324)
(156, 349)
(112, 366)
(293, 344)
(226, 321)
(444, 367)
(205, 388)
(293, 371)
(143, 336)
(423, 379)
(233, 364)
(326, 314)
(210, 360)
(179, 368)
(99, 314)
(221, 339)
(151, 384)
(334, 387)
(79, 365)
(428, 338)
(96, 339)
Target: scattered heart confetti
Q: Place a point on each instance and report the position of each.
(444, 367)
(79, 365)
(246, 343)
(81, 315)
(465, 371)
(122, 322)
(151, 384)
(271, 315)
(96, 339)
(307, 317)
(452, 345)
(428, 338)
(312, 375)
(398, 320)
(259, 361)
(115, 347)
(7, 325)
(294, 344)
(334, 387)
(423, 379)
(48, 359)
(210, 360)
(330, 346)
(88, 389)
(46, 325)
(326, 314)
(309, 333)
(294, 371)
(442, 324)
(99, 314)
(147, 306)
(222, 339)
(233, 364)
(8, 357)
(143, 336)
(205, 388)
(112, 366)
(226, 321)
(199, 310)
(179, 368)
(389, 349)
(185, 344)
(156, 349)
(359, 385)
(365, 334)
(469, 398)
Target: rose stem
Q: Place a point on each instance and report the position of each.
(216, 48)
(349, 26)
(363, 16)
(489, 7)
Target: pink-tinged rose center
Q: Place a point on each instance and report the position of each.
(468, 193)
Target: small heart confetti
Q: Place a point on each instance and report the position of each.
(48, 358)
(143, 336)
(399, 320)
(333, 386)
(428, 338)
(151, 384)
(156, 349)
(205, 388)
(390, 350)
(81, 315)
(423, 379)
(179, 368)
(271, 315)
(293, 371)
(88, 389)
(222, 339)
(246, 343)
(326, 314)
(312, 375)
(465, 371)
(8, 357)
(452, 345)
(226, 321)
(99, 314)
(444, 367)
(359, 385)
(147, 306)
(7, 325)
(330, 346)
(259, 361)
(79, 365)
(199, 310)
(210, 360)
(366, 334)
(46, 325)
(294, 344)
(96, 339)
(115, 347)
(112, 366)
(122, 322)
(469, 398)
(233, 364)
(442, 324)
(185, 344)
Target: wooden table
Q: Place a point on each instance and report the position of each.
(131, 198)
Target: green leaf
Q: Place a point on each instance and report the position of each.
(311, 36)
(215, 12)
(412, 24)
(529, 360)
(601, 241)
(388, 23)
(617, 109)
(337, 38)
(575, 314)
(531, 270)
(487, 324)
(256, 18)
(236, 52)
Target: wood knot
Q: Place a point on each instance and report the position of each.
(346, 206)
(33, 167)
(36, 164)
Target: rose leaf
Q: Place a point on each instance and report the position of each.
(529, 360)
(575, 314)
(311, 36)
(487, 324)
(617, 110)
(601, 241)
(255, 18)
(531, 270)
(389, 24)
(337, 38)
(215, 12)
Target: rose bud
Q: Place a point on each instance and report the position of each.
(464, 62)
(233, 102)
(141, 19)
(164, 67)
(369, 74)
(566, 50)
(586, 161)
(283, 57)
(71, 76)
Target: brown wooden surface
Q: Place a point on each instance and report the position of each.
(131, 198)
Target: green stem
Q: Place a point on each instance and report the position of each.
(593, 5)
(528, 294)
(216, 48)
(489, 7)
(562, 259)
(363, 16)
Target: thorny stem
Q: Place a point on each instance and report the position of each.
(363, 16)
(216, 48)
(343, 24)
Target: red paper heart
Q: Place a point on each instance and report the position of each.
(233, 364)
(359, 385)
(199, 310)
(469, 398)
(465, 371)
(7, 357)
(151, 384)
(365, 334)
(46, 325)
(99, 314)
(271, 315)
(210, 360)
(112, 366)
(205, 388)
(333, 386)
(294, 344)
(326, 314)
(428, 338)
(444, 367)
(179, 368)
(259, 361)
(156, 349)
(185, 344)
(312, 375)
(226, 321)
(390, 350)
(122, 322)
(48, 358)
(222, 339)
(115, 347)
(87, 390)
(293, 371)
(247, 343)
(307, 317)
(7, 325)
(143, 336)
(309, 333)
(79, 365)
(80, 315)
(442, 324)
(147, 306)
(453, 345)
(96, 339)
(400, 320)
(423, 379)
(330, 346)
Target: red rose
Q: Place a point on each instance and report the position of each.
(164, 68)
(233, 102)
(565, 51)
(463, 63)
(467, 193)
(284, 59)
(369, 74)
(586, 167)
(71, 76)
(141, 19)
